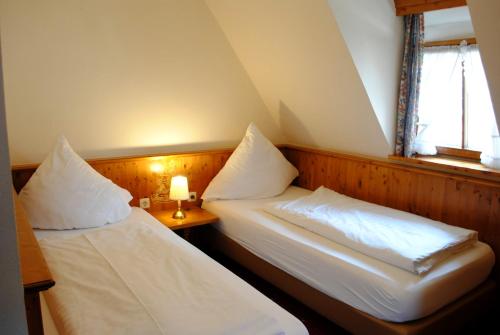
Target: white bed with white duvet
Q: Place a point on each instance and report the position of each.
(370, 285)
(138, 277)
(120, 271)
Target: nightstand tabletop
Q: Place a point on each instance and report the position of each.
(195, 216)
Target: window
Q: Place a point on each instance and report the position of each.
(455, 107)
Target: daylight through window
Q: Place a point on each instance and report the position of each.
(455, 107)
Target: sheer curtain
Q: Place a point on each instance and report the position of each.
(482, 125)
(440, 105)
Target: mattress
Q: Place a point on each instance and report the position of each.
(190, 297)
(377, 288)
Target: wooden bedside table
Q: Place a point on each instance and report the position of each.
(195, 216)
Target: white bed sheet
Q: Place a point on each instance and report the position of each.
(370, 285)
(286, 322)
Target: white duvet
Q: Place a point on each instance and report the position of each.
(139, 278)
(399, 238)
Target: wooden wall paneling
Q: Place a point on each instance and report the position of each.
(377, 176)
(492, 233)
(333, 175)
(342, 173)
(135, 175)
(305, 173)
(484, 201)
(362, 180)
(469, 202)
(449, 213)
(421, 195)
(436, 197)
(351, 182)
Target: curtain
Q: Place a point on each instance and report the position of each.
(440, 100)
(406, 126)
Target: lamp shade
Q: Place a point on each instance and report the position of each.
(179, 188)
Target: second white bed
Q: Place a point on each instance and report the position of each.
(377, 288)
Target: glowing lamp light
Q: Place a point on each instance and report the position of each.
(161, 194)
(157, 167)
(179, 191)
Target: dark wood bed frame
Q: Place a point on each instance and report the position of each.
(447, 320)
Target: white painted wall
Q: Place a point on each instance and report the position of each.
(295, 54)
(12, 314)
(122, 77)
(485, 19)
(374, 36)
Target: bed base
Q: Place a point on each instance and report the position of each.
(448, 319)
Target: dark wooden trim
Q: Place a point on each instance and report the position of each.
(406, 7)
(456, 42)
(33, 313)
(39, 286)
(459, 153)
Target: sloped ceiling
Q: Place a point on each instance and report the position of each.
(485, 19)
(296, 56)
(374, 36)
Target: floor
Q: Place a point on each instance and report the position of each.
(318, 325)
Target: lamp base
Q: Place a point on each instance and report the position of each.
(179, 214)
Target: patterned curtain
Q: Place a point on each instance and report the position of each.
(406, 127)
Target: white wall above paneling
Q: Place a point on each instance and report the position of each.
(296, 56)
(485, 18)
(122, 77)
(126, 77)
(374, 36)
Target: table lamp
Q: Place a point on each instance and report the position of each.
(179, 191)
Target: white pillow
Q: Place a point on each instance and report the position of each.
(256, 169)
(66, 193)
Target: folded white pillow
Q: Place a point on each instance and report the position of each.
(256, 169)
(67, 193)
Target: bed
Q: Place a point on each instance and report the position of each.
(108, 280)
(358, 292)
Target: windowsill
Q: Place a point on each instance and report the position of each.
(454, 165)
